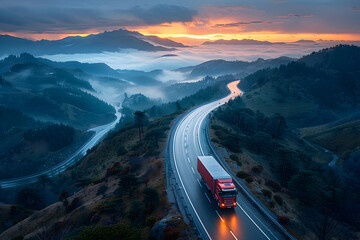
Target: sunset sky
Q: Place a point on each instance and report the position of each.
(188, 21)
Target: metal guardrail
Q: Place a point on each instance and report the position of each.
(171, 182)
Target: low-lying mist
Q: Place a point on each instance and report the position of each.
(182, 57)
(128, 59)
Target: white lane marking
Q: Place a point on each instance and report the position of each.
(186, 151)
(192, 170)
(211, 106)
(233, 235)
(254, 216)
(199, 183)
(185, 137)
(186, 193)
(188, 159)
(219, 215)
(185, 144)
(252, 220)
(207, 197)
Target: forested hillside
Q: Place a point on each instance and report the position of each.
(314, 90)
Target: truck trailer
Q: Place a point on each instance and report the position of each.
(218, 181)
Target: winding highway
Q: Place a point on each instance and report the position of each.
(187, 141)
(100, 132)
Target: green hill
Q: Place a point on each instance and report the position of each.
(310, 91)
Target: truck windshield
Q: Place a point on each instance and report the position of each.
(231, 193)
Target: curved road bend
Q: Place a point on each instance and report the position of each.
(100, 132)
(189, 141)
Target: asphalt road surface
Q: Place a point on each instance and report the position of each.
(188, 142)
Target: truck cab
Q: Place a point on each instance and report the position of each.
(225, 193)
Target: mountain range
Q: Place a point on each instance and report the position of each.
(111, 41)
(241, 68)
(240, 42)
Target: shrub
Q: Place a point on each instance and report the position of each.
(220, 134)
(121, 150)
(151, 198)
(64, 195)
(18, 237)
(267, 193)
(128, 183)
(102, 189)
(75, 203)
(249, 179)
(150, 221)
(234, 157)
(242, 174)
(215, 127)
(273, 185)
(136, 213)
(278, 199)
(171, 233)
(257, 168)
(114, 169)
(112, 204)
(13, 209)
(112, 232)
(283, 220)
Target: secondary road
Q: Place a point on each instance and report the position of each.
(188, 140)
(100, 132)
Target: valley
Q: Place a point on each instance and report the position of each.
(100, 131)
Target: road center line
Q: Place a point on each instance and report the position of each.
(199, 182)
(233, 235)
(252, 221)
(188, 159)
(207, 197)
(219, 215)
(192, 170)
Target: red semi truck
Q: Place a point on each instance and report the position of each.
(218, 181)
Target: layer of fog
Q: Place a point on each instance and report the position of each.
(147, 61)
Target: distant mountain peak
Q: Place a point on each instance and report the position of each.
(110, 41)
(240, 42)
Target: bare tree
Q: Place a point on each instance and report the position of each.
(139, 120)
(44, 233)
(326, 228)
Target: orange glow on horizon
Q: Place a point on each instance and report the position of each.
(47, 36)
(199, 31)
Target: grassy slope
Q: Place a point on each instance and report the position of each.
(342, 140)
(103, 166)
(267, 100)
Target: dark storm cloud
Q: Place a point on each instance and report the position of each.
(164, 13)
(44, 20)
(355, 9)
(290, 15)
(237, 24)
(13, 19)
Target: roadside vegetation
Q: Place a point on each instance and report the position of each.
(288, 173)
(116, 191)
